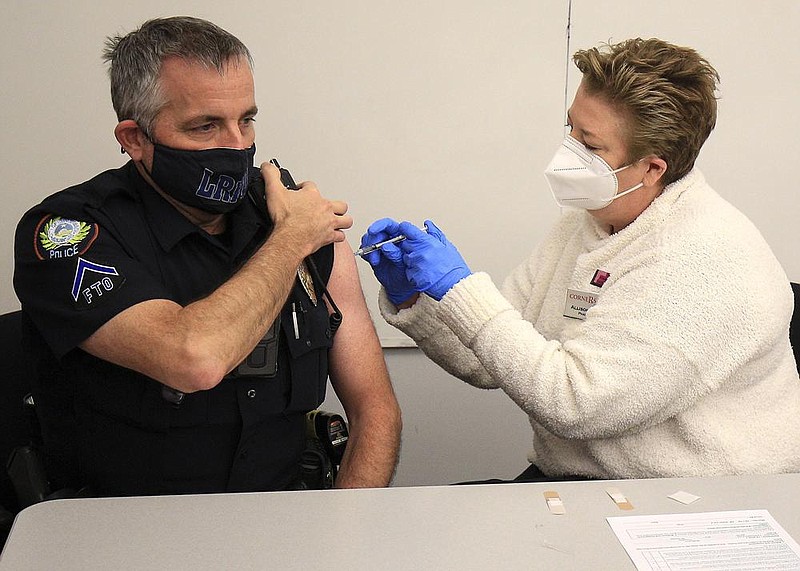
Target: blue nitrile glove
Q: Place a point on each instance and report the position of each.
(387, 262)
(433, 264)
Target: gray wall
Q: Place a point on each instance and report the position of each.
(414, 109)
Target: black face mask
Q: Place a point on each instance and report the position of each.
(213, 180)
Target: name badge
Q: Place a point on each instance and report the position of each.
(578, 303)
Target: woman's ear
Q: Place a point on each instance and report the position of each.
(656, 169)
(131, 138)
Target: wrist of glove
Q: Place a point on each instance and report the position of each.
(399, 296)
(438, 290)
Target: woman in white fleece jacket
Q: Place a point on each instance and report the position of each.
(648, 335)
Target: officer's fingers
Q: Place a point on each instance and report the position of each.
(344, 222)
(309, 186)
(272, 178)
(339, 207)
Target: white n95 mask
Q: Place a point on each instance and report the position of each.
(579, 178)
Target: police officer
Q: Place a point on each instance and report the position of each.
(179, 307)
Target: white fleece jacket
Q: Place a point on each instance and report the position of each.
(682, 367)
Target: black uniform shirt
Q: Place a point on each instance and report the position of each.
(89, 252)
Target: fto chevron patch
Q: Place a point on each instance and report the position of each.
(94, 282)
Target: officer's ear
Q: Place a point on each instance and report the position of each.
(131, 138)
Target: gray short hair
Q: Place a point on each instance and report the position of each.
(135, 61)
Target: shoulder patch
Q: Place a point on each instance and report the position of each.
(58, 238)
(93, 282)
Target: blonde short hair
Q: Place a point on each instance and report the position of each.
(666, 93)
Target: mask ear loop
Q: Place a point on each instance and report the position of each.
(637, 187)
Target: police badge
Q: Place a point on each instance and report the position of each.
(305, 280)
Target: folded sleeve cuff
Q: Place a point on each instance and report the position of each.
(470, 304)
(418, 321)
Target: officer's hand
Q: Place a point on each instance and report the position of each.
(310, 218)
(433, 265)
(387, 261)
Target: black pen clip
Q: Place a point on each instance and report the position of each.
(286, 176)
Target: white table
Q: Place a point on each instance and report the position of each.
(485, 527)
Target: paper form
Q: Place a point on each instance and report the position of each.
(730, 541)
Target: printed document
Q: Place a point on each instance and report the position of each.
(730, 541)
